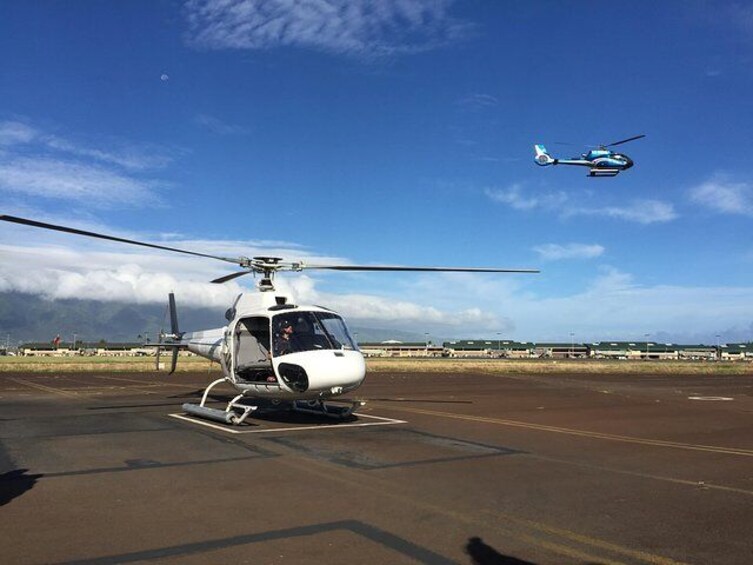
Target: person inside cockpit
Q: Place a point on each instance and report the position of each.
(284, 337)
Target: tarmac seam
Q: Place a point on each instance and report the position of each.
(377, 535)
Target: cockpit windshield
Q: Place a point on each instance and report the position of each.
(309, 331)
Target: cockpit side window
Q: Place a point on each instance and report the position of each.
(308, 331)
(337, 330)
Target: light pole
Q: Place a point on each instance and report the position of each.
(499, 344)
(647, 336)
(718, 352)
(74, 341)
(572, 345)
(426, 344)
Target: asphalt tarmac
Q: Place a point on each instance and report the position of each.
(436, 468)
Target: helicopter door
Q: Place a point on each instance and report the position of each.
(252, 362)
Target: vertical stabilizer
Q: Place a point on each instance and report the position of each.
(542, 156)
(173, 339)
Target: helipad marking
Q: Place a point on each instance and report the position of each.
(710, 398)
(383, 422)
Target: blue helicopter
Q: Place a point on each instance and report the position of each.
(602, 162)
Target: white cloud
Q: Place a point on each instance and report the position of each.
(217, 126)
(63, 180)
(479, 101)
(129, 156)
(36, 163)
(640, 211)
(613, 306)
(513, 196)
(720, 194)
(134, 158)
(355, 27)
(385, 311)
(60, 266)
(555, 252)
(12, 133)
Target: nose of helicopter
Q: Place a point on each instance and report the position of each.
(628, 161)
(323, 373)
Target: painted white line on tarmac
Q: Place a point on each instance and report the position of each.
(232, 430)
(719, 398)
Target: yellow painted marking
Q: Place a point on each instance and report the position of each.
(567, 550)
(642, 555)
(45, 388)
(686, 482)
(582, 433)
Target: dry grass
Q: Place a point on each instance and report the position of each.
(558, 366)
(531, 366)
(100, 364)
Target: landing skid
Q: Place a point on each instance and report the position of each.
(321, 408)
(603, 172)
(235, 413)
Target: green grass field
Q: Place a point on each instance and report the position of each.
(538, 366)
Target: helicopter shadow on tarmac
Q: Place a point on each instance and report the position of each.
(218, 397)
(16, 483)
(483, 554)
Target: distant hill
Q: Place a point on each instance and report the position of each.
(28, 317)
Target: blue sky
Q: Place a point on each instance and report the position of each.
(395, 132)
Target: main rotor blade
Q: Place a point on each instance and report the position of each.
(417, 269)
(230, 277)
(625, 140)
(64, 229)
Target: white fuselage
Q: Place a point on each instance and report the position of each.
(321, 372)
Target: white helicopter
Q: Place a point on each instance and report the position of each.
(274, 352)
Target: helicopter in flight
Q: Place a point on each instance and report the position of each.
(602, 162)
(274, 352)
